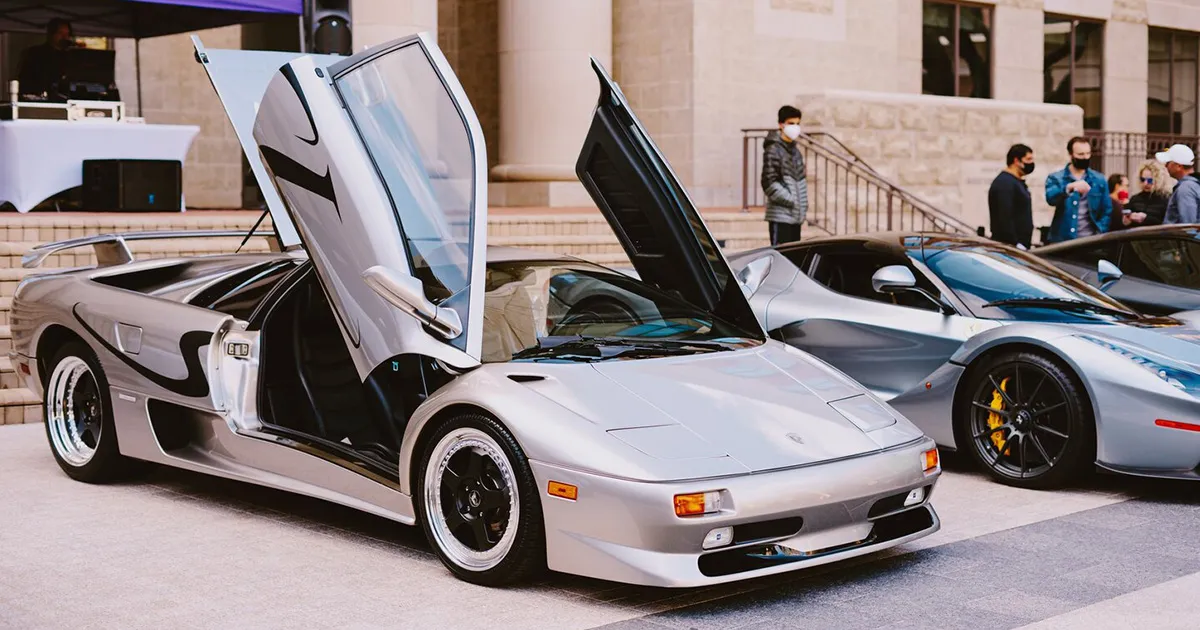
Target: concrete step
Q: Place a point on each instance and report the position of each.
(44, 227)
(11, 253)
(19, 405)
(8, 375)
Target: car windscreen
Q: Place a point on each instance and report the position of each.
(534, 305)
(981, 274)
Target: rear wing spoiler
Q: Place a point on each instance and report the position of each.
(112, 249)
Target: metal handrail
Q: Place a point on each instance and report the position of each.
(845, 192)
(111, 249)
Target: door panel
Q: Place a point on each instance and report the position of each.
(888, 349)
(240, 78)
(379, 161)
(650, 212)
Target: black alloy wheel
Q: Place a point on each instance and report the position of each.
(1028, 421)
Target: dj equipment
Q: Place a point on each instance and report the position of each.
(133, 185)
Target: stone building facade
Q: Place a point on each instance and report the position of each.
(699, 71)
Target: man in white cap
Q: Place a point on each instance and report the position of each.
(1184, 205)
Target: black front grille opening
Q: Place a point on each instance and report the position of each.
(756, 557)
(893, 503)
(766, 530)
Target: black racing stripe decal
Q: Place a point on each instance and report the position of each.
(195, 385)
(294, 81)
(290, 170)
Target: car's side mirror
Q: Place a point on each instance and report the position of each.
(1107, 274)
(893, 278)
(752, 276)
(898, 278)
(406, 293)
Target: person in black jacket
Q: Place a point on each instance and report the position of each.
(41, 68)
(1151, 202)
(1009, 206)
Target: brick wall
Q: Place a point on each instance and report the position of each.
(467, 36)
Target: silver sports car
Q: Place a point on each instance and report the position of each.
(526, 411)
(991, 350)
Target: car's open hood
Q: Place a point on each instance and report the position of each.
(650, 212)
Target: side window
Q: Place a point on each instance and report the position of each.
(800, 256)
(848, 270)
(1089, 255)
(1169, 261)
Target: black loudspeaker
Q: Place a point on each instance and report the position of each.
(328, 27)
(133, 185)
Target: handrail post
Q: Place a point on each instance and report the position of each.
(889, 210)
(745, 172)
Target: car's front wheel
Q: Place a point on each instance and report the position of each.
(1027, 421)
(478, 504)
(79, 418)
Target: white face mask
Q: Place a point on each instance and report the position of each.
(791, 131)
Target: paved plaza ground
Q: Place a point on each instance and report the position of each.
(178, 550)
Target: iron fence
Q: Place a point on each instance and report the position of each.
(1123, 152)
(845, 194)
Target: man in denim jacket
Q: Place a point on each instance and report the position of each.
(1079, 195)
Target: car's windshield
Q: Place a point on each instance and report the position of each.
(981, 274)
(549, 310)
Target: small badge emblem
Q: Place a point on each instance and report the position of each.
(795, 437)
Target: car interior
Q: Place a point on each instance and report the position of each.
(850, 272)
(309, 384)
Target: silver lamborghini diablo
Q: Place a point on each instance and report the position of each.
(991, 350)
(527, 411)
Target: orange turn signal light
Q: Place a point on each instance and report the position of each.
(930, 459)
(563, 490)
(697, 503)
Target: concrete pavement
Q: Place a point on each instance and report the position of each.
(180, 550)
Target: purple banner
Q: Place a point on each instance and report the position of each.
(292, 7)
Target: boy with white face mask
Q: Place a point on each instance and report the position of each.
(784, 182)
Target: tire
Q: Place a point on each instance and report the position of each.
(1027, 422)
(77, 411)
(472, 483)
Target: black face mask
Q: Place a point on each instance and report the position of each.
(1081, 163)
(1027, 167)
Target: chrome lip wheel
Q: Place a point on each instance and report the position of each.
(471, 499)
(1020, 420)
(74, 412)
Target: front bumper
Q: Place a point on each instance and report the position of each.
(627, 531)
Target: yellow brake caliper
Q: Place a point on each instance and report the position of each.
(994, 420)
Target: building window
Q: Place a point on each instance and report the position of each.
(957, 49)
(1073, 56)
(1171, 97)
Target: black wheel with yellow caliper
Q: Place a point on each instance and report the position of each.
(1027, 421)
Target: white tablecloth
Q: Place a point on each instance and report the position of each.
(40, 158)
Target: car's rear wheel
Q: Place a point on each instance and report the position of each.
(79, 419)
(478, 504)
(1028, 421)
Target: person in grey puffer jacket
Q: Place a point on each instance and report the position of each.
(784, 182)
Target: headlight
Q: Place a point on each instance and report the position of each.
(1172, 372)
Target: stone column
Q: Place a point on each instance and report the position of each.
(547, 94)
(1126, 68)
(377, 21)
(1017, 52)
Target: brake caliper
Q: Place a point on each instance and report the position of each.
(994, 420)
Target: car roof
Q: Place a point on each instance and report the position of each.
(893, 241)
(1189, 230)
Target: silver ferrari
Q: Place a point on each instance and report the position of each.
(991, 350)
(526, 411)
